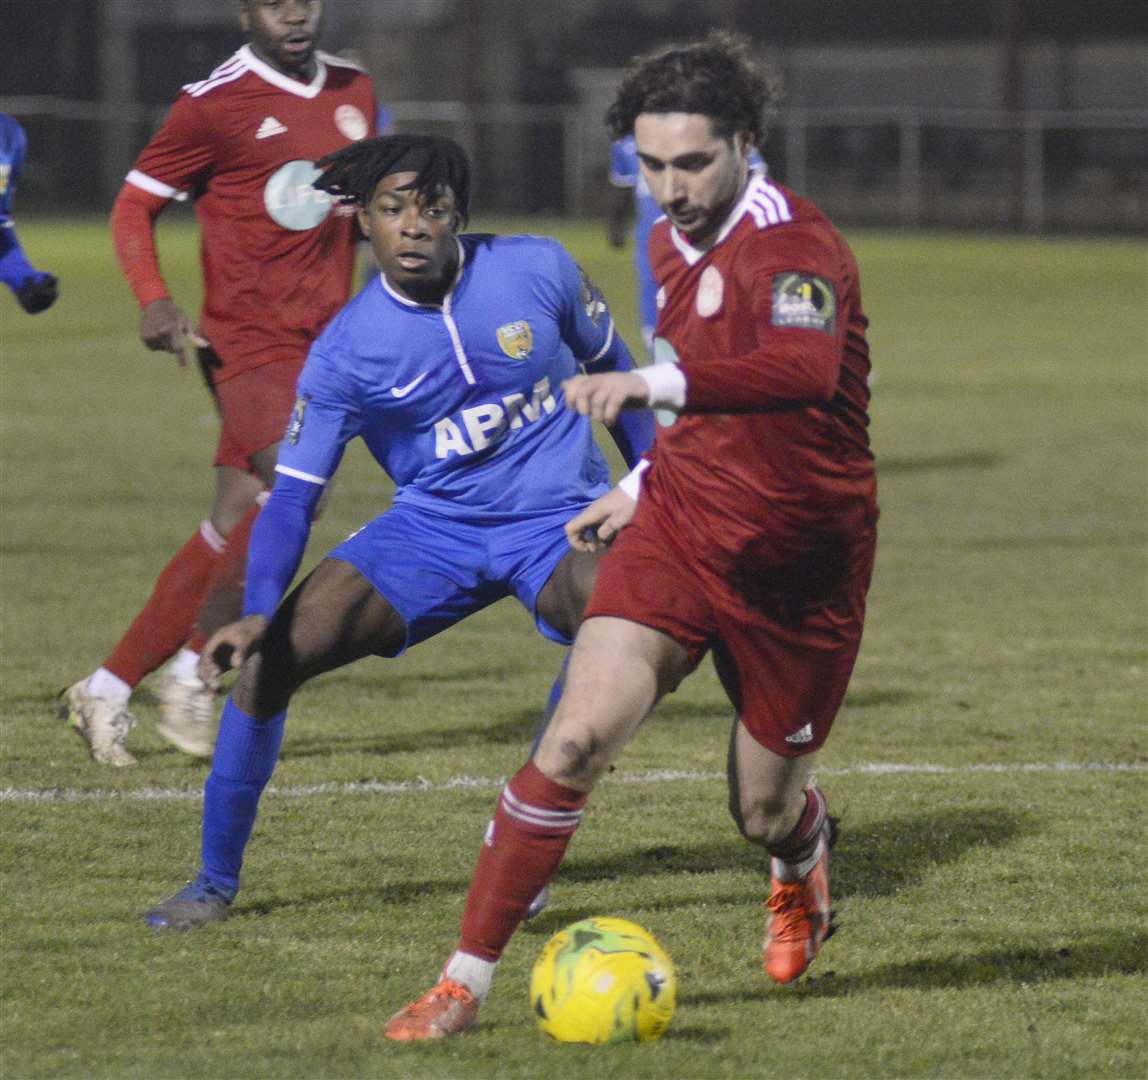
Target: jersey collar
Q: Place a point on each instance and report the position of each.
(284, 82)
(694, 255)
(406, 301)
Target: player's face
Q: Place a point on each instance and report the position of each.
(283, 33)
(694, 175)
(413, 238)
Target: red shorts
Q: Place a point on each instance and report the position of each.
(784, 661)
(254, 407)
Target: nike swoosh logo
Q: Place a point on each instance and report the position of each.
(402, 391)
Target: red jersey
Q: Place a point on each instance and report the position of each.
(277, 255)
(771, 451)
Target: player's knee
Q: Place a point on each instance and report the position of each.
(762, 821)
(572, 755)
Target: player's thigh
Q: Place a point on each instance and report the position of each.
(618, 672)
(564, 596)
(254, 408)
(334, 617)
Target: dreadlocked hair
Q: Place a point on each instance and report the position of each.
(351, 174)
(713, 77)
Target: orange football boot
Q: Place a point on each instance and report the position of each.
(445, 1009)
(799, 917)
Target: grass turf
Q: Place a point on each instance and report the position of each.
(993, 914)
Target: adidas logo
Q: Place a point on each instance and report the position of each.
(269, 127)
(803, 735)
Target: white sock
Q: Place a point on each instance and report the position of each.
(185, 665)
(795, 871)
(473, 972)
(103, 684)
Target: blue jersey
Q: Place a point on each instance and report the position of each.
(13, 145)
(460, 402)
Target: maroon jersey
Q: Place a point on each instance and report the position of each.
(770, 456)
(277, 255)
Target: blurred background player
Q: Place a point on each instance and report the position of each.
(277, 264)
(630, 200)
(446, 366)
(750, 532)
(34, 289)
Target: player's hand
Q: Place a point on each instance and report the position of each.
(229, 647)
(37, 292)
(602, 397)
(601, 521)
(164, 327)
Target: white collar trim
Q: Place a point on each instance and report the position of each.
(445, 305)
(284, 82)
(694, 255)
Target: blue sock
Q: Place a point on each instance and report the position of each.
(552, 702)
(245, 756)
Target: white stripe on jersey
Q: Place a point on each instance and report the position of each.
(339, 61)
(765, 203)
(311, 478)
(228, 67)
(212, 84)
(153, 186)
(602, 351)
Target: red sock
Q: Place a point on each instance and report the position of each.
(223, 603)
(167, 618)
(525, 843)
(801, 843)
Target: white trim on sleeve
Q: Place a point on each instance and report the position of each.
(667, 385)
(311, 478)
(154, 187)
(631, 483)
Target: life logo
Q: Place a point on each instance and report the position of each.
(291, 200)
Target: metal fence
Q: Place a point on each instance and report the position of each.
(1034, 171)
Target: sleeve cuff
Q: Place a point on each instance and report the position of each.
(631, 483)
(667, 385)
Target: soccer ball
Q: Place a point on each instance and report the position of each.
(601, 981)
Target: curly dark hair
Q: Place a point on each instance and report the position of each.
(353, 172)
(714, 77)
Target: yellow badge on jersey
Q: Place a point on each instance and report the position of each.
(516, 339)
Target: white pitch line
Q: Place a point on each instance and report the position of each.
(658, 776)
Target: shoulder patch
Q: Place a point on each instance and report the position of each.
(295, 424)
(806, 301)
(592, 298)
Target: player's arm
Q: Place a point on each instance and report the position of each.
(180, 153)
(620, 194)
(308, 459)
(588, 328)
(35, 290)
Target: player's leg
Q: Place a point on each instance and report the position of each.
(334, 617)
(618, 671)
(186, 704)
(254, 407)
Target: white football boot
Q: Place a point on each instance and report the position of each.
(187, 714)
(101, 722)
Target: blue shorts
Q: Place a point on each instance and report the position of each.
(436, 570)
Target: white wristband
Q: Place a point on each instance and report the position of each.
(667, 385)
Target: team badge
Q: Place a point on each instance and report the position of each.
(295, 424)
(516, 339)
(592, 299)
(351, 122)
(710, 291)
(660, 298)
(805, 301)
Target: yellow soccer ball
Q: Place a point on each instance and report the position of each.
(603, 980)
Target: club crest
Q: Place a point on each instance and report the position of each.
(516, 339)
(295, 424)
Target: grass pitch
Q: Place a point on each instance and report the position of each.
(989, 763)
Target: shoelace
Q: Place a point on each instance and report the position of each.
(789, 913)
(448, 988)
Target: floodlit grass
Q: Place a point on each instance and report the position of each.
(993, 914)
